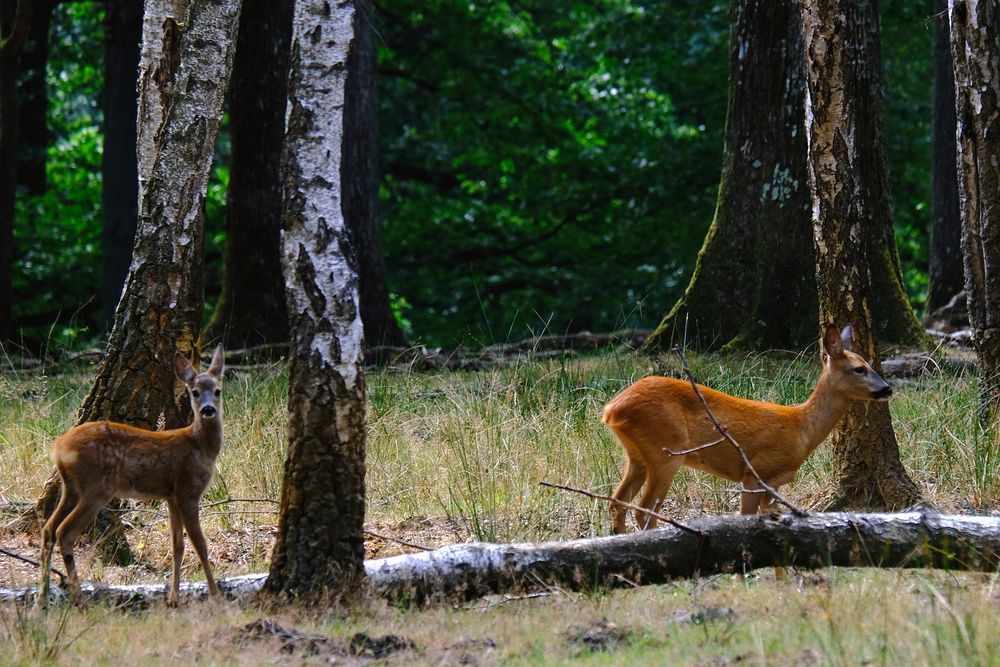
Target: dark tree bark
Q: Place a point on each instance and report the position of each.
(320, 546)
(754, 275)
(33, 101)
(847, 177)
(976, 56)
(361, 183)
(251, 308)
(120, 185)
(946, 273)
(719, 544)
(15, 20)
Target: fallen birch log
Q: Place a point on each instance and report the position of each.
(722, 544)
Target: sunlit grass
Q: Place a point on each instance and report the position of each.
(469, 448)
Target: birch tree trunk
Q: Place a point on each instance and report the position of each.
(976, 57)
(320, 545)
(185, 65)
(716, 544)
(182, 86)
(850, 199)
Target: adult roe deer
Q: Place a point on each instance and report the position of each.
(657, 416)
(98, 461)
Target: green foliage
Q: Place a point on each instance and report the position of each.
(547, 166)
(57, 234)
(907, 60)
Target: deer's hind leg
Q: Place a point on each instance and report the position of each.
(628, 488)
(67, 501)
(659, 477)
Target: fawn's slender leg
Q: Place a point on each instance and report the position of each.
(189, 512)
(177, 542)
(67, 501)
(69, 529)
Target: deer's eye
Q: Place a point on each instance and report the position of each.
(860, 370)
(218, 392)
(195, 393)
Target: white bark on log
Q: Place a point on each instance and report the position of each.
(729, 544)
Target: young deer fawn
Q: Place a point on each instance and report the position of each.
(98, 461)
(658, 416)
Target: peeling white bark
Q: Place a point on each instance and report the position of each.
(313, 223)
(726, 544)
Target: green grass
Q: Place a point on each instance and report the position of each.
(453, 456)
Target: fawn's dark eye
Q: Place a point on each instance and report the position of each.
(218, 392)
(195, 393)
(860, 370)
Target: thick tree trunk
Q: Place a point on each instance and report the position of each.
(120, 184)
(976, 56)
(361, 183)
(946, 274)
(852, 230)
(160, 310)
(320, 545)
(15, 20)
(251, 308)
(161, 307)
(722, 544)
(757, 258)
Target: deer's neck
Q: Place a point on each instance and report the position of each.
(821, 412)
(208, 434)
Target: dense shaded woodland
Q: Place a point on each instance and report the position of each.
(343, 178)
(541, 168)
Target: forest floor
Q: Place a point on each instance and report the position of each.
(457, 456)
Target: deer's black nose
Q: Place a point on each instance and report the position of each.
(207, 411)
(885, 392)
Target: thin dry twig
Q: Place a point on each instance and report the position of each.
(637, 508)
(390, 538)
(695, 449)
(29, 561)
(725, 434)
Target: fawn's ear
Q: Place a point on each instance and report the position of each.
(183, 368)
(218, 362)
(833, 341)
(845, 337)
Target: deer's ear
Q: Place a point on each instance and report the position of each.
(845, 337)
(833, 341)
(218, 362)
(183, 368)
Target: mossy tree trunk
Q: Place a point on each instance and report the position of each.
(251, 307)
(753, 285)
(757, 256)
(847, 178)
(320, 547)
(976, 56)
(946, 273)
